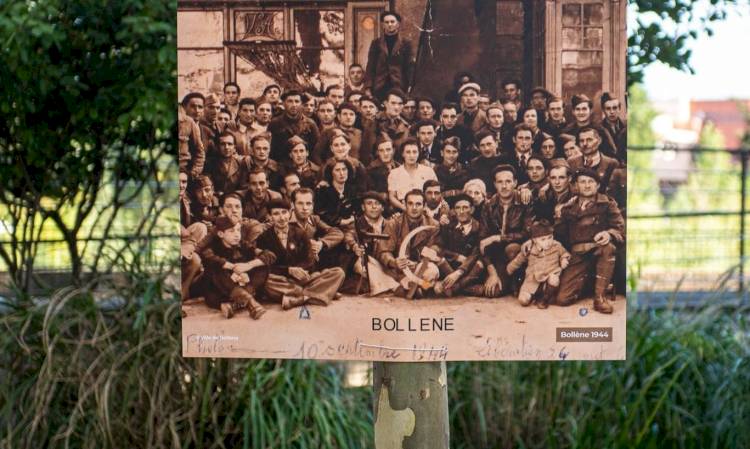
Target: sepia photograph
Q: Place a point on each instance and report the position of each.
(403, 180)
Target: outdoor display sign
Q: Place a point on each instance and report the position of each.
(403, 181)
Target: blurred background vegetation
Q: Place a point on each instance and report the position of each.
(88, 169)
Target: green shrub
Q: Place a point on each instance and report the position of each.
(75, 375)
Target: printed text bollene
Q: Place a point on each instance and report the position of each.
(444, 324)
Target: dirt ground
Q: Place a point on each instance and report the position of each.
(397, 329)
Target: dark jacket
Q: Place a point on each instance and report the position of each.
(454, 243)
(282, 128)
(229, 175)
(515, 227)
(618, 133)
(605, 169)
(257, 211)
(297, 253)
(331, 207)
(452, 179)
(215, 255)
(317, 229)
(397, 229)
(388, 69)
(580, 226)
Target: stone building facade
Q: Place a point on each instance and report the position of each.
(566, 46)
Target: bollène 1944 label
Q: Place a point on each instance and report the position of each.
(583, 334)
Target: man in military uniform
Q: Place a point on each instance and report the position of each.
(291, 123)
(592, 224)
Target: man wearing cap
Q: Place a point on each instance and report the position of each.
(299, 163)
(592, 225)
(323, 238)
(390, 58)
(460, 266)
(291, 123)
(614, 125)
(387, 251)
(471, 116)
(292, 279)
(593, 158)
(504, 227)
(234, 272)
(359, 243)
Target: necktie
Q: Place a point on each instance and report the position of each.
(523, 161)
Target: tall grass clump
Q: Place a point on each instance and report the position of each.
(685, 384)
(76, 375)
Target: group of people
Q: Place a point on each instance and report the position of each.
(293, 197)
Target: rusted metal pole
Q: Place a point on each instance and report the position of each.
(411, 405)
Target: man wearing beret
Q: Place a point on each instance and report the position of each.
(460, 267)
(471, 116)
(292, 278)
(390, 58)
(592, 225)
(291, 123)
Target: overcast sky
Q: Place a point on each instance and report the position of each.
(721, 63)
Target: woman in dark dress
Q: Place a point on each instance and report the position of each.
(334, 202)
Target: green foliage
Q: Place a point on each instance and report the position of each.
(87, 99)
(662, 31)
(76, 375)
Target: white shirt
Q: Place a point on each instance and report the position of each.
(401, 181)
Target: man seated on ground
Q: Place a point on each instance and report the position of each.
(357, 240)
(504, 227)
(397, 228)
(292, 280)
(591, 223)
(234, 271)
(324, 239)
(258, 195)
(460, 267)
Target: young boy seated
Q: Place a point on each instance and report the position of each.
(546, 259)
(235, 271)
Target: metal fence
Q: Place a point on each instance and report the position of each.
(687, 212)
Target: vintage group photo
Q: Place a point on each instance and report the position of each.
(354, 163)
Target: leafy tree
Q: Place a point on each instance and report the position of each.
(86, 102)
(662, 31)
